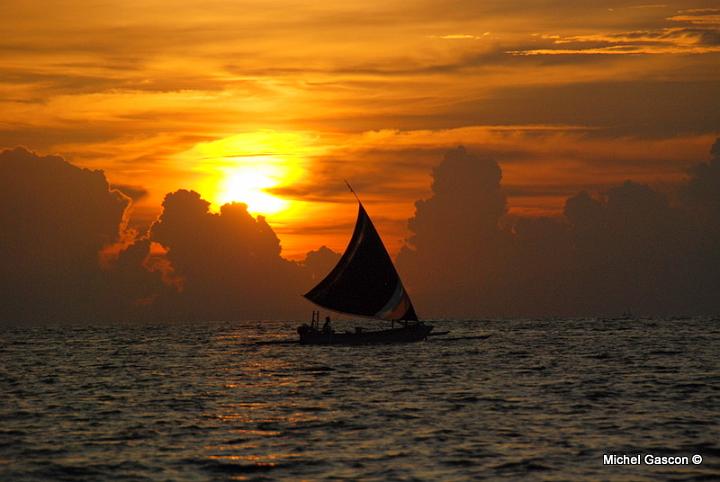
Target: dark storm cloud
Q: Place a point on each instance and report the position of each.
(229, 263)
(628, 248)
(320, 262)
(56, 219)
(66, 256)
(456, 236)
(702, 191)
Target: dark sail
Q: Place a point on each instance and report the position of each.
(365, 281)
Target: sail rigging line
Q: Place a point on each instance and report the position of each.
(352, 190)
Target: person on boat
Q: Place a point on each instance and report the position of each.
(326, 327)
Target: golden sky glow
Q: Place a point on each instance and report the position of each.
(244, 167)
(275, 103)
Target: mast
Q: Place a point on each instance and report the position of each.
(352, 191)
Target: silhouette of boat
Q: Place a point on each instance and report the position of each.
(627, 315)
(364, 283)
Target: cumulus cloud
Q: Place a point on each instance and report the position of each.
(701, 191)
(229, 262)
(56, 218)
(456, 234)
(628, 248)
(68, 256)
(320, 262)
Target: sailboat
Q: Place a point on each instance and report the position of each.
(364, 283)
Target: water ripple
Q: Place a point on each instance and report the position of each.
(537, 400)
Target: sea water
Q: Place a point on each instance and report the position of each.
(536, 400)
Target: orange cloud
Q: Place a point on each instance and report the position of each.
(701, 37)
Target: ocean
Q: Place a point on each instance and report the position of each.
(536, 400)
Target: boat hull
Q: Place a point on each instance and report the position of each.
(405, 334)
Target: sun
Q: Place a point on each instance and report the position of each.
(250, 168)
(249, 180)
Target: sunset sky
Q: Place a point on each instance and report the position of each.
(275, 103)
